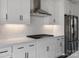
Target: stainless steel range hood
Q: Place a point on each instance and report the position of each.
(37, 11)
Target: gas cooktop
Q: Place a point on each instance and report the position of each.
(38, 36)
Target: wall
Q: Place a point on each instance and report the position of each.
(36, 27)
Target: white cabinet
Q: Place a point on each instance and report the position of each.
(49, 8)
(31, 50)
(42, 48)
(3, 11)
(58, 46)
(19, 51)
(51, 47)
(56, 8)
(5, 52)
(15, 11)
(70, 8)
(27, 50)
(46, 48)
(25, 11)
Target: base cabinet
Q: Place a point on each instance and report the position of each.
(58, 47)
(27, 50)
(42, 48)
(19, 51)
(31, 50)
(46, 48)
(5, 52)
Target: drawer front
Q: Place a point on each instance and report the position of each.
(19, 51)
(30, 45)
(5, 52)
(19, 47)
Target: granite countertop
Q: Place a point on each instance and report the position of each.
(12, 41)
(18, 40)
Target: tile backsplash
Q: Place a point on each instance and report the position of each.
(35, 27)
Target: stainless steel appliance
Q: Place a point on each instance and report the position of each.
(37, 9)
(71, 34)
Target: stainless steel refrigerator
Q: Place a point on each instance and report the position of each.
(71, 34)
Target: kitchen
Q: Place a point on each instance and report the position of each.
(19, 20)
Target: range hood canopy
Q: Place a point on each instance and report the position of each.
(37, 9)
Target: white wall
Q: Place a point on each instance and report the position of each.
(36, 27)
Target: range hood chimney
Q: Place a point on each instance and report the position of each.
(37, 11)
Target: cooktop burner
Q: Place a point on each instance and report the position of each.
(38, 36)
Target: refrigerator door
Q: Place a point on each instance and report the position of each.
(71, 34)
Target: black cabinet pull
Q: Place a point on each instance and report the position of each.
(62, 38)
(26, 55)
(31, 45)
(3, 52)
(6, 16)
(20, 47)
(58, 39)
(47, 48)
(21, 17)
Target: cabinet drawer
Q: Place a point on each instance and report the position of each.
(19, 51)
(5, 52)
(19, 47)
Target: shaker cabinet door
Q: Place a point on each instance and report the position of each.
(41, 49)
(31, 50)
(15, 11)
(19, 51)
(13, 7)
(25, 11)
(3, 11)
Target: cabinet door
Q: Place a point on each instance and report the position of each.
(5, 52)
(13, 14)
(31, 50)
(49, 20)
(58, 47)
(25, 11)
(51, 48)
(3, 11)
(42, 49)
(19, 51)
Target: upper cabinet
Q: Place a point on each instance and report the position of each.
(15, 11)
(56, 8)
(3, 10)
(70, 7)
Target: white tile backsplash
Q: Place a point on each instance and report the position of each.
(36, 27)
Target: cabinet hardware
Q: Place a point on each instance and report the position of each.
(47, 48)
(3, 52)
(58, 39)
(21, 17)
(61, 44)
(25, 54)
(6, 16)
(20, 47)
(62, 38)
(31, 45)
